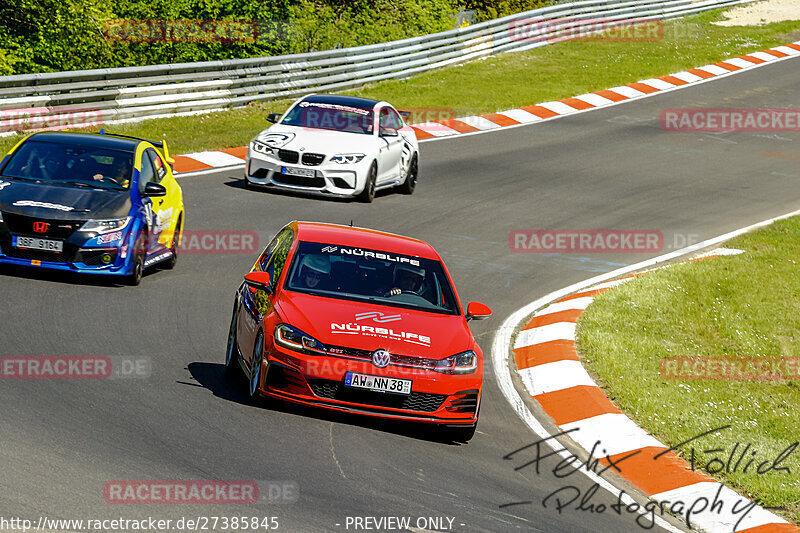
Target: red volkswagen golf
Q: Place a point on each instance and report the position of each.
(360, 321)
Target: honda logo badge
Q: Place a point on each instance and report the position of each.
(381, 358)
(40, 227)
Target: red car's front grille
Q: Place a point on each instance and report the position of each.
(395, 359)
(416, 401)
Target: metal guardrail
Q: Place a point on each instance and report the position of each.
(90, 97)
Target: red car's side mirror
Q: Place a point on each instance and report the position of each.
(258, 280)
(478, 311)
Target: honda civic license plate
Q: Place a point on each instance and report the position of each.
(377, 383)
(34, 243)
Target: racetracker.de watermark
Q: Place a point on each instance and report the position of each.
(74, 367)
(200, 492)
(585, 29)
(733, 369)
(585, 241)
(46, 118)
(181, 31)
(730, 120)
(218, 242)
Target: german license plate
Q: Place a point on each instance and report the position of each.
(377, 383)
(34, 243)
(293, 171)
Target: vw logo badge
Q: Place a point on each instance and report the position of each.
(381, 358)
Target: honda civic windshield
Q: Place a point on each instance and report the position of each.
(371, 276)
(71, 165)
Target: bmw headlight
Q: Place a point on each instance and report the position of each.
(462, 363)
(260, 147)
(347, 159)
(106, 225)
(294, 339)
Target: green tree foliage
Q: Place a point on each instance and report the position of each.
(59, 35)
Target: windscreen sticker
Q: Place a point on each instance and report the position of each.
(337, 107)
(45, 205)
(369, 254)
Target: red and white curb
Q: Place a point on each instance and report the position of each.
(233, 157)
(545, 358)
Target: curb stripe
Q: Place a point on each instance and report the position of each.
(457, 125)
(539, 111)
(672, 472)
(642, 87)
(611, 95)
(501, 120)
(576, 403)
(567, 315)
(547, 352)
(576, 103)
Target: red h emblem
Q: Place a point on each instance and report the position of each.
(40, 227)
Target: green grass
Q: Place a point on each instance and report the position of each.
(733, 306)
(501, 82)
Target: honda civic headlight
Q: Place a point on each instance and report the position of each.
(462, 363)
(294, 339)
(105, 225)
(261, 148)
(347, 159)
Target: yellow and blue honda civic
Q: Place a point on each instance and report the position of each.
(91, 203)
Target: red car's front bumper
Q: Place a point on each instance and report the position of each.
(449, 399)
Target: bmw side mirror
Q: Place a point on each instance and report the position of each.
(273, 117)
(388, 132)
(258, 280)
(478, 311)
(154, 189)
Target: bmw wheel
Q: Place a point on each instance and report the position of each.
(407, 187)
(368, 194)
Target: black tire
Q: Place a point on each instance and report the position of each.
(410, 183)
(176, 237)
(231, 357)
(139, 250)
(368, 194)
(255, 368)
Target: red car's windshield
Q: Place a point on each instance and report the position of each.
(372, 276)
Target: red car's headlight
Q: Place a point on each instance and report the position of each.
(462, 363)
(294, 339)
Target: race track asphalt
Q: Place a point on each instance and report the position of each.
(62, 440)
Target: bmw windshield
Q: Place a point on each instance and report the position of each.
(72, 165)
(329, 116)
(371, 276)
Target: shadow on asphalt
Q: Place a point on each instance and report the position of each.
(213, 377)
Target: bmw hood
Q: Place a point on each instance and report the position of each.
(371, 327)
(319, 141)
(61, 202)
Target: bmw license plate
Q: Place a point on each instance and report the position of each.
(377, 383)
(33, 243)
(304, 172)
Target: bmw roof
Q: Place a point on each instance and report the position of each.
(352, 101)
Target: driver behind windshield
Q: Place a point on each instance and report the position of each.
(407, 279)
(120, 172)
(315, 270)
